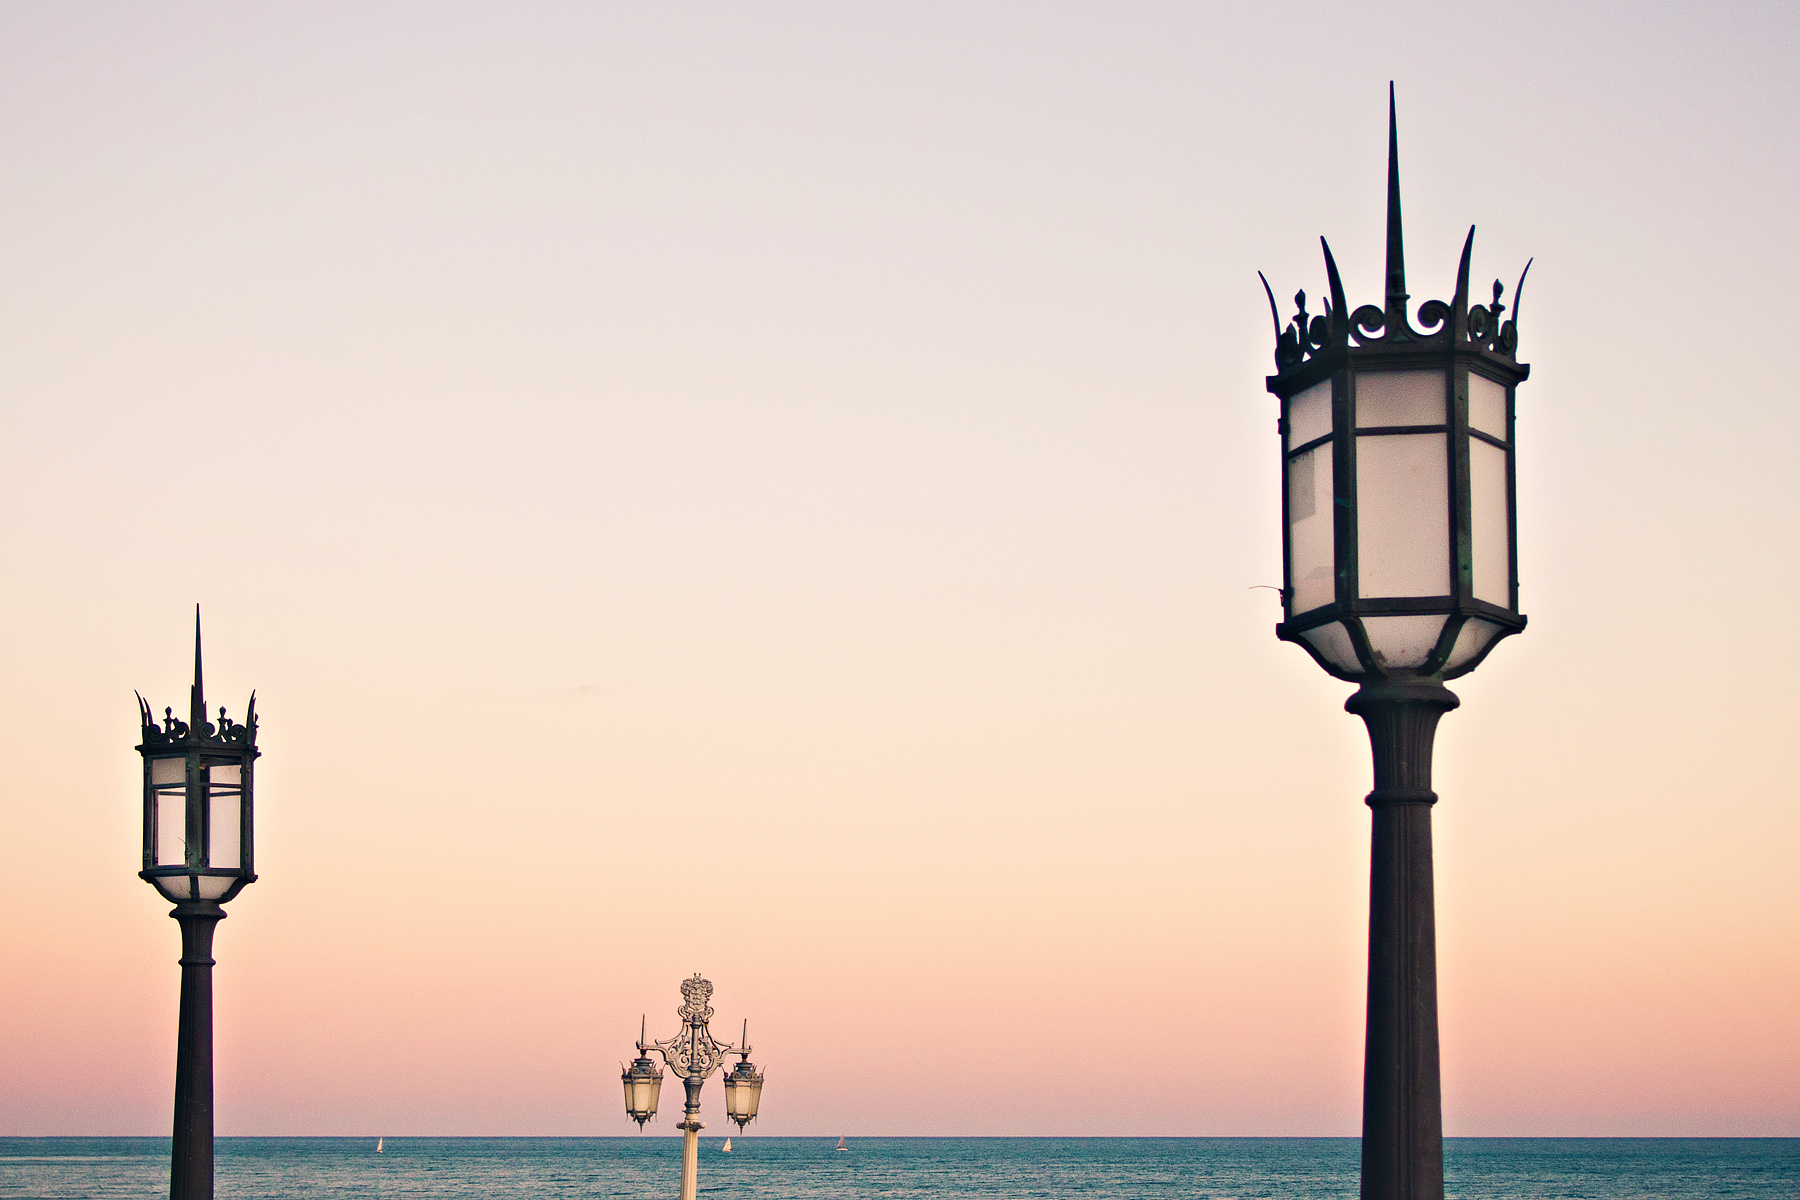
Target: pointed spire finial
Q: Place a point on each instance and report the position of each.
(197, 700)
(1396, 252)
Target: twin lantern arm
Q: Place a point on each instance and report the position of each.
(693, 1055)
(199, 784)
(1399, 548)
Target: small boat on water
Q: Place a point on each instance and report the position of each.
(378, 1142)
(726, 1148)
(841, 1145)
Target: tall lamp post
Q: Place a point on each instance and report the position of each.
(1400, 571)
(198, 781)
(693, 1055)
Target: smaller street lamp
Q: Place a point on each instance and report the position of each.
(198, 784)
(743, 1087)
(643, 1085)
(693, 1055)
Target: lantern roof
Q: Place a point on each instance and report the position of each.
(197, 732)
(1338, 332)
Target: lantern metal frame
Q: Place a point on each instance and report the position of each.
(693, 1055)
(1339, 347)
(200, 747)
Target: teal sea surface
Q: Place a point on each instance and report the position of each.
(811, 1169)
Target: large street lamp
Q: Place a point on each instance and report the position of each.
(198, 782)
(693, 1055)
(1400, 571)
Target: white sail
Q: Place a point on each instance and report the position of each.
(841, 1145)
(378, 1142)
(726, 1148)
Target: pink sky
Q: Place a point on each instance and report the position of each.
(776, 492)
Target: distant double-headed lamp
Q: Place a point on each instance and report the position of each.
(199, 782)
(1400, 570)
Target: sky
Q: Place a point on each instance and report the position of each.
(780, 491)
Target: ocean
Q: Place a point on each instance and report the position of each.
(811, 1169)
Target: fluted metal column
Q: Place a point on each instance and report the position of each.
(690, 1141)
(1403, 1132)
(191, 1163)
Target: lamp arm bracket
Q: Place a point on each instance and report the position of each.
(691, 1054)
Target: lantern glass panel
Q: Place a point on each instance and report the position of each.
(1333, 642)
(211, 887)
(223, 843)
(1403, 643)
(641, 1093)
(1471, 640)
(1403, 515)
(1385, 398)
(168, 771)
(1310, 530)
(1490, 528)
(1309, 415)
(171, 828)
(224, 839)
(1487, 406)
(175, 887)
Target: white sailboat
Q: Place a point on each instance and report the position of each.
(378, 1145)
(726, 1148)
(841, 1145)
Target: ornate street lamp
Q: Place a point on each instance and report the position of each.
(1401, 571)
(693, 1055)
(198, 786)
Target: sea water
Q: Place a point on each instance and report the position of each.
(812, 1169)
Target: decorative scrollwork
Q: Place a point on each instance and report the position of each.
(693, 1053)
(174, 732)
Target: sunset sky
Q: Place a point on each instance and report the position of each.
(779, 490)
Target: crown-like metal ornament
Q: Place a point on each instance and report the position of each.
(173, 734)
(1453, 326)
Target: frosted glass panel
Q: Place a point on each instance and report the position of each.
(1310, 531)
(222, 840)
(168, 770)
(214, 886)
(1334, 643)
(1470, 641)
(1487, 406)
(1309, 415)
(175, 887)
(1489, 528)
(1400, 398)
(1403, 643)
(230, 775)
(1403, 515)
(171, 829)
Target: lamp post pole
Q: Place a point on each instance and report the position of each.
(1403, 1133)
(690, 1139)
(191, 1163)
(693, 1054)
